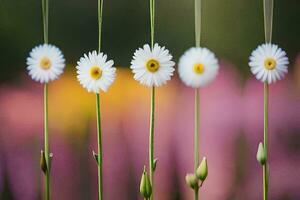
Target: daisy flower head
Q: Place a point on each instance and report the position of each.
(45, 63)
(95, 72)
(152, 67)
(269, 63)
(198, 67)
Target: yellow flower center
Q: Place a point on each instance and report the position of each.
(152, 65)
(45, 63)
(95, 72)
(270, 64)
(198, 68)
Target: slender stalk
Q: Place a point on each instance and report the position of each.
(45, 14)
(268, 26)
(196, 191)
(100, 154)
(45, 11)
(151, 141)
(100, 13)
(266, 125)
(268, 19)
(197, 22)
(151, 131)
(46, 143)
(197, 94)
(196, 136)
(99, 131)
(152, 21)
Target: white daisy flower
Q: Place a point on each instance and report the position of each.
(152, 67)
(197, 67)
(269, 63)
(95, 73)
(45, 63)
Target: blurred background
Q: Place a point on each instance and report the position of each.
(231, 107)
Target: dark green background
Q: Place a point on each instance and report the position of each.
(231, 28)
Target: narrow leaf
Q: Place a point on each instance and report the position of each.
(43, 163)
(96, 157)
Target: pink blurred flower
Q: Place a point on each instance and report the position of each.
(284, 112)
(220, 115)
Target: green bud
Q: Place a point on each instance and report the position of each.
(191, 181)
(145, 185)
(261, 155)
(202, 170)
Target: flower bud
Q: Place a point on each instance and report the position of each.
(261, 155)
(202, 170)
(145, 185)
(191, 181)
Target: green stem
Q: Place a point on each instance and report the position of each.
(268, 19)
(196, 191)
(100, 154)
(45, 11)
(197, 93)
(266, 125)
(152, 21)
(45, 14)
(197, 22)
(151, 134)
(99, 137)
(196, 135)
(46, 145)
(151, 141)
(100, 13)
(268, 26)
